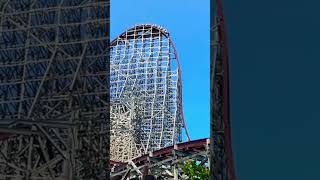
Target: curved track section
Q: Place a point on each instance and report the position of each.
(165, 163)
(145, 91)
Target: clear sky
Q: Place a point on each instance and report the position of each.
(188, 23)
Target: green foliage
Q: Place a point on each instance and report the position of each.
(195, 171)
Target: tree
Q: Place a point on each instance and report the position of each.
(195, 171)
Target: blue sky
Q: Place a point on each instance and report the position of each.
(188, 24)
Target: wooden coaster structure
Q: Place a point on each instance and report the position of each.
(54, 92)
(165, 163)
(145, 92)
